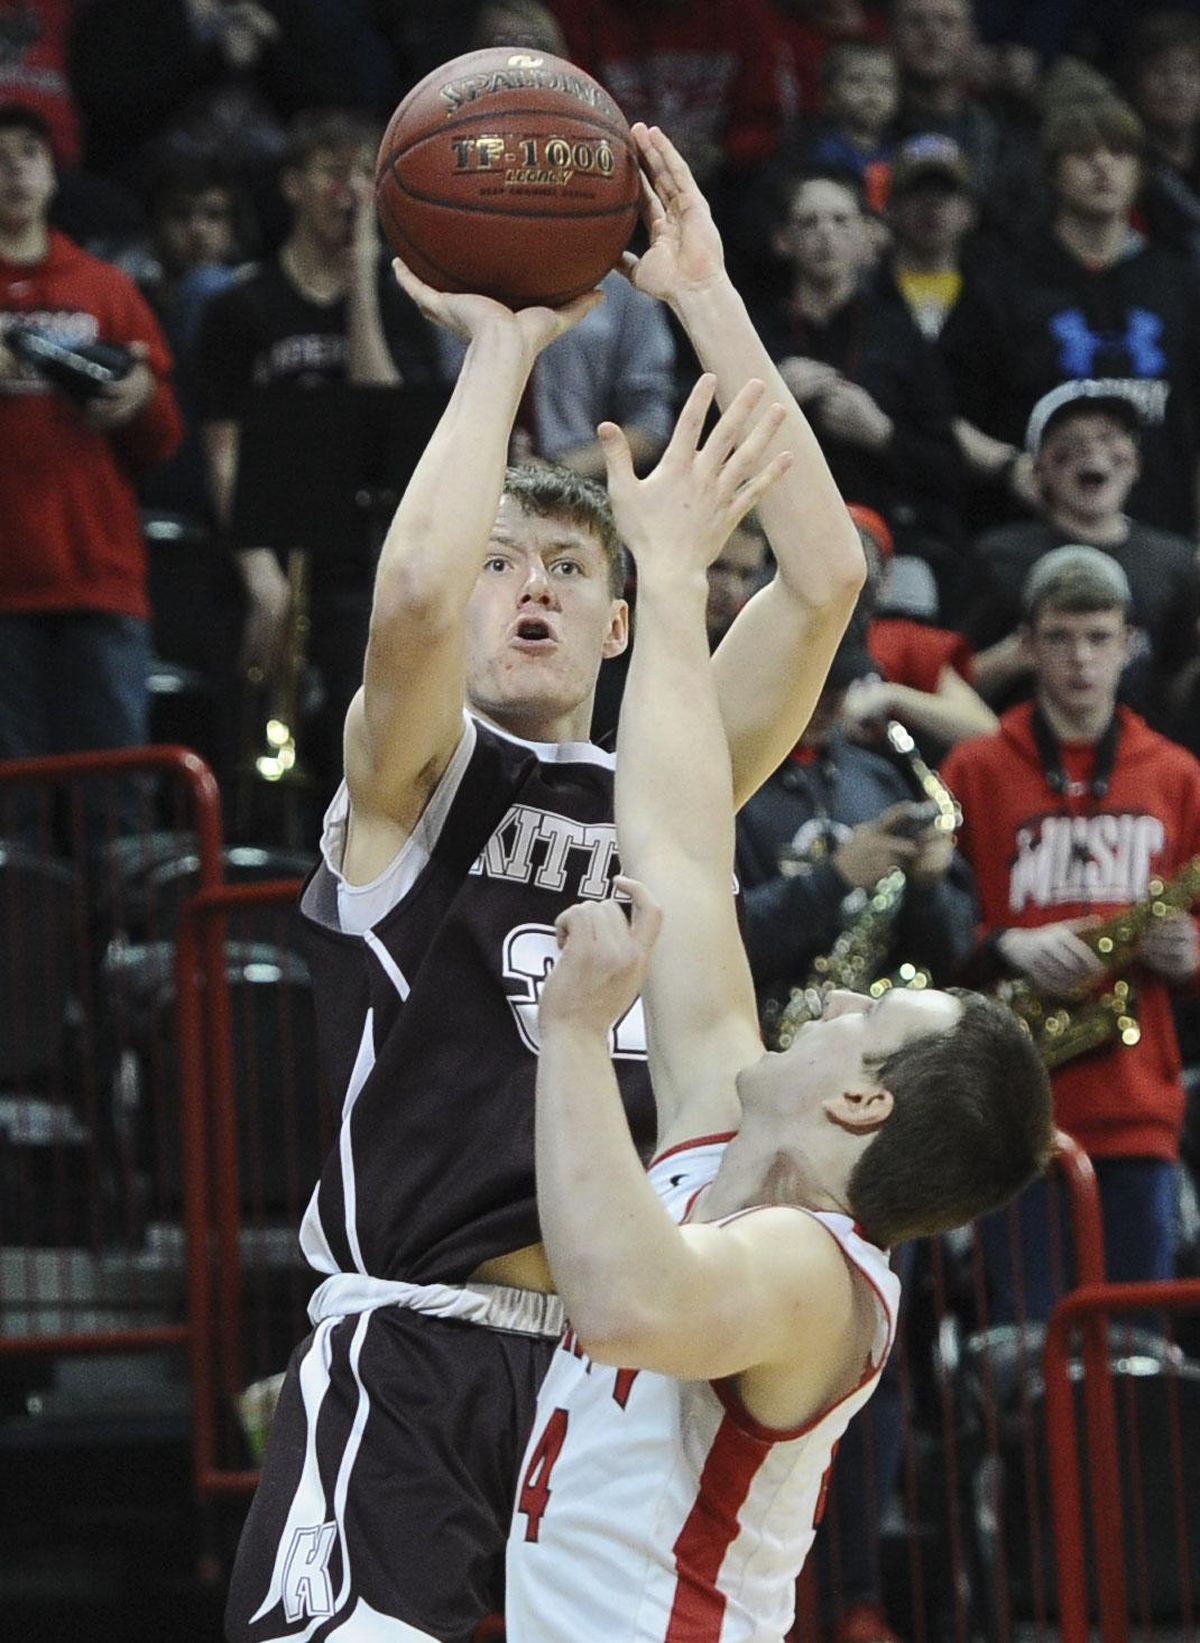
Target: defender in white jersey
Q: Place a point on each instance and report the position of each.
(729, 1312)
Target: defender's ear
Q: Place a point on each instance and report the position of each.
(859, 1111)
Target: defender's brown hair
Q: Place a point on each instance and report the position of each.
(971, 1125)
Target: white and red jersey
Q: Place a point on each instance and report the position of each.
(654, 1510)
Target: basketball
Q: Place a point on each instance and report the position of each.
(511, 173)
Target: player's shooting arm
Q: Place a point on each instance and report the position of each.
(773, 662)
(405, 723)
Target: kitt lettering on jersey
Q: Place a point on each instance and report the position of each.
(1066, 860)
(540, 848)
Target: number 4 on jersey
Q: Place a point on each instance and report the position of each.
(535, 1489)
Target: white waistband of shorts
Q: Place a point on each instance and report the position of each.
(495, 1306)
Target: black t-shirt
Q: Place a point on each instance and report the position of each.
(1032, 317)
(428, 1025)
(263, 333)
(916, 481)
(1163, 580)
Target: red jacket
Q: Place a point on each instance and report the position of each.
(1040, 857)
(70, 531)
(712, 71)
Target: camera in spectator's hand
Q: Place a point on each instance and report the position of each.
(81, 370)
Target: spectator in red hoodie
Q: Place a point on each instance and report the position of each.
(1070, 810)
(74, 631)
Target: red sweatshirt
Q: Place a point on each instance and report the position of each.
(1040, 857)
(70, 531)
(912, 654)
(709, 72)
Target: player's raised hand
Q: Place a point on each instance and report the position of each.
(681, 514)
(602, 961)
(468, 314)
(685, 247)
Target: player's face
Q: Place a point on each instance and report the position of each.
(26, 179)
(1088, 463)
(538, 624)
(836, 1052)
(1078, 658)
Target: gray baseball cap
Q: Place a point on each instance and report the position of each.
(1119, 396)
(1076, 568)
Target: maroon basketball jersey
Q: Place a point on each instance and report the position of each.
(428, 1021)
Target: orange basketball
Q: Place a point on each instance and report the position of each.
(508, 172)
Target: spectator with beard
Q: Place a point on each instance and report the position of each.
(1083, 439)
(872, 386)
(1085, 297)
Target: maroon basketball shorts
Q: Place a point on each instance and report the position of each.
(388, 1480)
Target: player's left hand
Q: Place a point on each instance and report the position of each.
(685, 247)
(602, 961)
(681, 514)
(1171, 946)
(119, 402)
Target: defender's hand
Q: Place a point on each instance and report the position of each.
(685, 248)
(467, 314)
(603, 961)
(1171, 946)
(682, 513)
(1053, 957)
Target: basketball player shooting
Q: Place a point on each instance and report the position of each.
(730, 1310)
(474, 811)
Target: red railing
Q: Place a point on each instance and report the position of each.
(1088, 1311)
(240, 1234)
(82, 1159)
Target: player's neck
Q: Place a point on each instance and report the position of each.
(551, 728)
(756, 1171)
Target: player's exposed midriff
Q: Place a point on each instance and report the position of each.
(525, 1268)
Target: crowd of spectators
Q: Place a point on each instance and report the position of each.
(968, 230)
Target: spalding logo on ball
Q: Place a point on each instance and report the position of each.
(511, 173)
